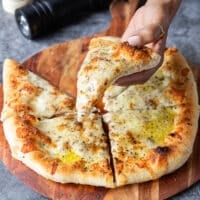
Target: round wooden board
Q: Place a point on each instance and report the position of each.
(59, 64)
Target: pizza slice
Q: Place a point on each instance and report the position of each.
(172, 84)
(61, 149)
(42, 131)
(147, 144)
(107, 60)
(26, 92)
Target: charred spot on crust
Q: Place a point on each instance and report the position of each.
(22, 70)
(84, 47)
(162, 150)
(175, 135)
(172, 134)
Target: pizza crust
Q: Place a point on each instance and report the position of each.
(174, 87)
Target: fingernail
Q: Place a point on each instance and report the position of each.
(135, 41)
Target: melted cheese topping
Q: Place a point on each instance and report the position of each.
(149, 95)
(69, 157)
(72, 141)
(133, 133)
(167, 87)
(49, 100)
(139, 117)
(158, 125)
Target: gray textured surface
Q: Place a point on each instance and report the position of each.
(184, 34)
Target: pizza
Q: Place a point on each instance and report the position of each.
(107, 60)
(138, 133)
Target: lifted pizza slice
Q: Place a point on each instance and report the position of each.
(107, 60)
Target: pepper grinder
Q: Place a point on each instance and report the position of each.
(43, 16)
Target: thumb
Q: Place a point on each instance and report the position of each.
(146, 35)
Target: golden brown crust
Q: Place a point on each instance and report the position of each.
(135, 54)
(182, 88)
(143, 54)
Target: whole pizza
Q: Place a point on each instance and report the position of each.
(135, 134)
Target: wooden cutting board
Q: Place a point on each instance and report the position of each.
(59, 64)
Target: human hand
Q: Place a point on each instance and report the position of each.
(149, 26)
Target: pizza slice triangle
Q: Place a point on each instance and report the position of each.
(26, 92)
(107, 60)
(41, 127)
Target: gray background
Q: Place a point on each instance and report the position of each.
(184, 33)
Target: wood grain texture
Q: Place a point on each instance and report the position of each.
(59, 64)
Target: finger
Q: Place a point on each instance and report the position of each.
(158, 46)
(148, 34)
